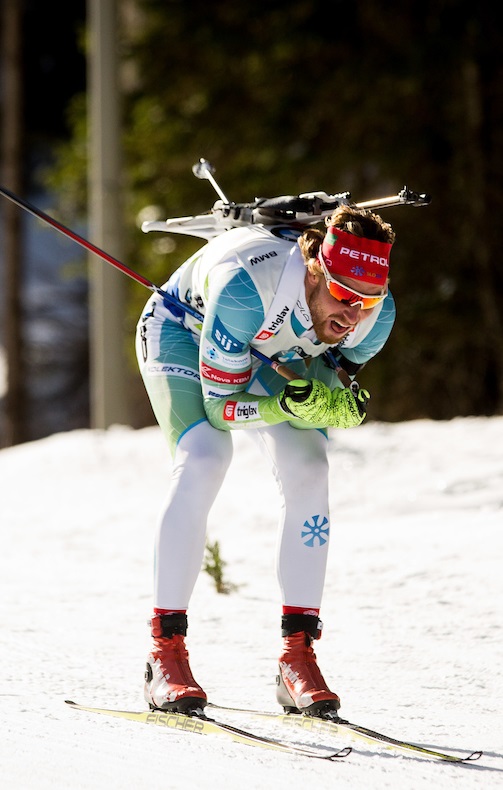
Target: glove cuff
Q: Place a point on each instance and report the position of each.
(297, 391)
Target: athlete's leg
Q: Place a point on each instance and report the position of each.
(300, 466)
(201, 460)
(168, 358)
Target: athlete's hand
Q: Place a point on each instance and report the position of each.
(313, 402)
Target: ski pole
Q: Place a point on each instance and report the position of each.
(281, 369)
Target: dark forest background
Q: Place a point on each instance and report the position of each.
(289, 97)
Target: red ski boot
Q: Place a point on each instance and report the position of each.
(169, 684)
(301, 686)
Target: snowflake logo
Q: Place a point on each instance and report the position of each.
(314, 533)
(358, 271)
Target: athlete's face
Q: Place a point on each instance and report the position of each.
(333, 320)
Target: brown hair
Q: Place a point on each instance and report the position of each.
(360, 222)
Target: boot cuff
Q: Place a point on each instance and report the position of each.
(168, 625)
(293, 623)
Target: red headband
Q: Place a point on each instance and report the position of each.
(353, 256)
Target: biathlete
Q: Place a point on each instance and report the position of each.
(316, 302)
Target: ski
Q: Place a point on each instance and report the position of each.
(203, 725)
(342, 727)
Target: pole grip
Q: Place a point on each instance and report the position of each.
(283, 370)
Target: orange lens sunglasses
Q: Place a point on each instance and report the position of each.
(343, 293)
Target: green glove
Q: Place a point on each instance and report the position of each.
(313, 402)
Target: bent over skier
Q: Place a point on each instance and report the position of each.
(294, 300)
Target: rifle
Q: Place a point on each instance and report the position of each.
(297, 210)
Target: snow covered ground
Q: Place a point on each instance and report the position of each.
(412, 610)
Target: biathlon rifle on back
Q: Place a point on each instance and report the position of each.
(298, 210)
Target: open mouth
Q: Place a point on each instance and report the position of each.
(339, 329)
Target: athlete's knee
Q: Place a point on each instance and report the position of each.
(206, 450)
(306, 465)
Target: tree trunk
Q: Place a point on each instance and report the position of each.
(12, 177)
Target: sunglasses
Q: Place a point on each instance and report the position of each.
(345, 294)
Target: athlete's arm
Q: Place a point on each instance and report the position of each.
(233, 316)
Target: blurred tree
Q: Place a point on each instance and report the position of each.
(43, 317)
(287, 97)
(12, 168)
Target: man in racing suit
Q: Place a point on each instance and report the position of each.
(293, 298)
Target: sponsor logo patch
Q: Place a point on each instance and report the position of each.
(224, 339)
(264, 257)
(211, 353)
(286, 233)
(279, 320)
(159, 369)
(264, 335)
(364, 256)
(225, 377)
(241, 412)
(274, 326)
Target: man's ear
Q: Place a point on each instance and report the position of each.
(312, 278)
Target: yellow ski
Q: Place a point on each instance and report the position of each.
(203, 725)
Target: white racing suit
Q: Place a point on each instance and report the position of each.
(203, 383)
